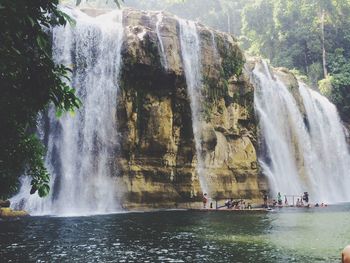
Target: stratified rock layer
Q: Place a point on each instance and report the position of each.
(157, 162)
(157, 156)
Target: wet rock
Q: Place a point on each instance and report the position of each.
(8, 212)
(5, 203)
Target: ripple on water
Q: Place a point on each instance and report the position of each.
(178, 237)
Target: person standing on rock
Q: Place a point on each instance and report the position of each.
(306, 197)
(279, 198)
(265, 200)
(205, 200)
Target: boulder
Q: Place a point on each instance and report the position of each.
(8, 212)
(5, 203)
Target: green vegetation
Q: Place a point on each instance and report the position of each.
(223, 15)
(30, 80)
(311, 36)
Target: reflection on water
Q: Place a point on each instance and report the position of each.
(288, 235)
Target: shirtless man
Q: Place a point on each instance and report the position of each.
(345, 255)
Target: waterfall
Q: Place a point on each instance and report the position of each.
(190, 51)
(81, 148)
(330, 160)
(161, 45)
(303, 153)
(214, 45)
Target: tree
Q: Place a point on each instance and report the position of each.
(30, 81)
(259, 28)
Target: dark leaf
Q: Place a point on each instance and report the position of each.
(33, 190)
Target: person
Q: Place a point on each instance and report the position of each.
(301, 202)
(285, 201)
(229, 203)
(279, 198)
(205, 200)
(265, 200)
(345, 255)
(306, 197)
(298, 203)
(274, 203)
(240, 204)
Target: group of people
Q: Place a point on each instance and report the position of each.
(229, 204)
(238, 204)
(302, 201)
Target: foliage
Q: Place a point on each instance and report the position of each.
(30, 80)
(325, 86)
(312, 36)
(340, 82)
(223, 15)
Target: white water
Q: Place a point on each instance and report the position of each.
(81, 148)
(190, 49)
(329, 166)
(301, 157)
(161, 45)
(214, 45)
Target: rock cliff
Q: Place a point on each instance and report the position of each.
(157, 157)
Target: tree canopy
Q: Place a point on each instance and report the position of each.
(311, 36)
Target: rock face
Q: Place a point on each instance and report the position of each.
(157, 157)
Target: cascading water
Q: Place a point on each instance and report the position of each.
(330, 160)
(279, 120)
(214, 45)
(81, 147)
(302, 154)
(161, 45)
(190, 49)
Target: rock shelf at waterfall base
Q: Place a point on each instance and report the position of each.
(7, 212)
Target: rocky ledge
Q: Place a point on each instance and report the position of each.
(6, 211)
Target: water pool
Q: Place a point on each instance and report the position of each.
(286, 235)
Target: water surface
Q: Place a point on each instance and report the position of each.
(287, 235)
